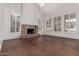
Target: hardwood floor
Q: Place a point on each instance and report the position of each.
(41, 46)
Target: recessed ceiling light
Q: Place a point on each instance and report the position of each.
(41, 4)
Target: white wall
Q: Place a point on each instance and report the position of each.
(1, 26)
(5, 12)
(72, 8)
(31, 15)
(8, 10)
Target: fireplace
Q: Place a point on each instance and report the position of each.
(30, 31)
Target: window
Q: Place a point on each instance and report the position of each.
(12, 23)
(15, 23)
(48, 23)
(70, 22)
(57, 23)
(39, 21)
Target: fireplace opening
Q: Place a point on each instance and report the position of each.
(30, 31)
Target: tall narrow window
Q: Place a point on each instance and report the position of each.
(70, 22)
(12, 23)
(57, 23)
(39, 21)
(48, 23)
(15, 23)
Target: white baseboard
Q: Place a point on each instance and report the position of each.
(1, 41)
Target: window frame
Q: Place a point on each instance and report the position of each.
(15, 19)
(71, 16)
(57, 24)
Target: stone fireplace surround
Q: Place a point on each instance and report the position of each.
(24, 33)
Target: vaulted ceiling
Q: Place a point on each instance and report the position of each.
(49, 7)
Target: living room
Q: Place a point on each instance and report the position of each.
(39, 29)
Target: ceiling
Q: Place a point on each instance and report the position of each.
(49, 7)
